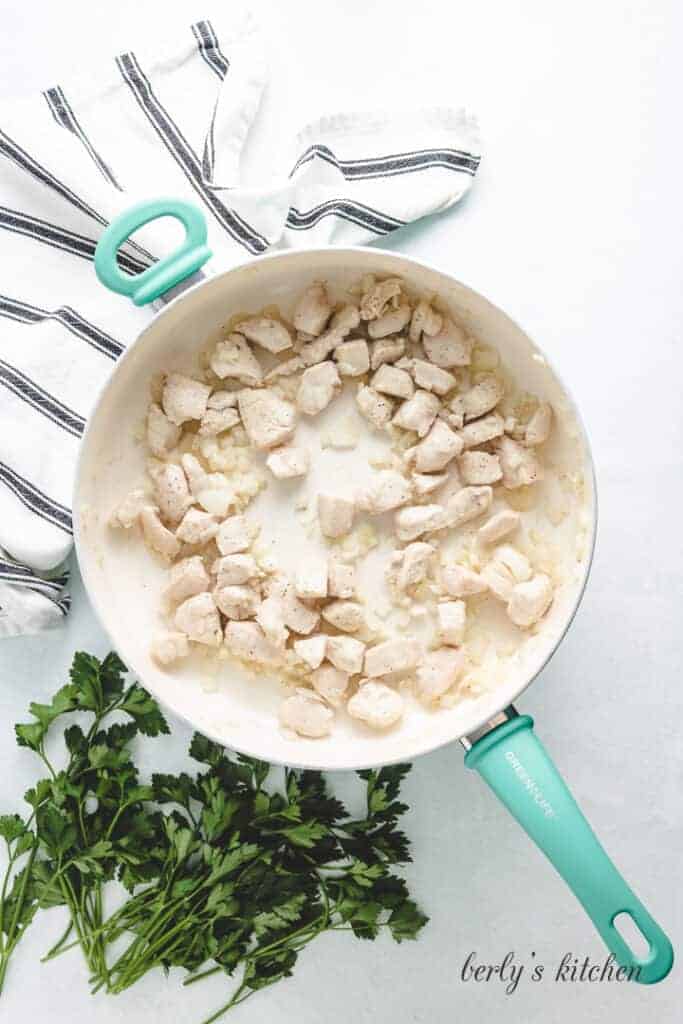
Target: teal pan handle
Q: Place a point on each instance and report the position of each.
(169, 271)
(519, 771)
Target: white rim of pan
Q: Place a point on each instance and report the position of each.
(101, 613)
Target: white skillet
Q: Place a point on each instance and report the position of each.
(238, 710)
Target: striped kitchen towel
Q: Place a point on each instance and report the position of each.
(150, 123)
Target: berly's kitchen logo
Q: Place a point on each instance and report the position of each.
(570, 969)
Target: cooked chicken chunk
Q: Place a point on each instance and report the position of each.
(400, 655)
(427, 483)
(318, 350)
(197, 527)
(530, 600)
(187, 578)
(438, 672)
(410, 566)
(387, 490)
(346, 654)
(478, 467)
(157, 537)
(451, 617)
(418, 413)
(233, 358)
(425, 320)
(346, 319)
(271, 618)
(285, 369)
(221, 414)
(353, 357)
(341, 580)
(311, 579)
(330, 683)
(507, 567)
(480, 399)
(391, 381)
(450, 347)
(127, 513)
(413, 521)
(437, 449)
(199, 619)
(288, 461)
(520, 466)
(483, 430)
(170, 647)
(538, 428)
(172, 493)
(499, 526)
(234, 569)
(236, 534)
(237, 601)
(377, 705)
(296, 615)
(268, 420)
(247, 641)
(431, 377)
(386, 350)
(162, 435)
(377, 409)
(459, 581)
(184, 398)
(313, 310)
(306, 714)
(319, 384)
(344, 615)
(266, 332)
(391, 322)
(312, 650)
(378, 296)
(335, 515)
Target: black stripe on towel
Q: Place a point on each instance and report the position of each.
(41, 400)
(64, 115)
(209, 48)
(393, 164)
(36, 500)
(184, 155)
(346, 209)
(22, 312)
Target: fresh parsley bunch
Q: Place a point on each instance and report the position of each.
(222, 870)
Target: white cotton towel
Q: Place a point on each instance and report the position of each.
(160, 123)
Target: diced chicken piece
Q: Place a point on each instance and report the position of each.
(507, 567)
(157, 537)
(519, 465)
(341, 579)
(479, 468)
(538, 428)
(413, 521)
(316, 351)
(437, 449)
(311, 579)
(387, 490)
(187, 578)
(312, 650)
(195, 473)
(461, 582)
(439, 671)
(418, 413)
(391, 322)
(318, 386)
(432, 378)
(335, 515)
(466, 504)
(400, 655)
(427, 483)
(346, 616)
(266, 332)
(297, 616)
(247, 641)
(307, 715)
(127, 513)
(162, 435)
(233, 358)
(481, 431)
(285, 369)
(268, 420)
(386, 350)
(378, 296)
(172, 493)
(170, 647)
(425, 320)
(451, 617)
(346, 319)
(346, 654)
(212, 491)
(237, 602)
(330, 682)
(221, 414)
(198, 617)
(377, 409)
(231, 570)
(499, 526)
(530, 601)
(450, 347)
(353, 357)
(287, 462)
(197, 527)
(271, 618)
(377, 705)
(391, 381)
(236, 534)
(481, 398)
(313, 310)
(221, 400)
(184, 398)
(410, 566)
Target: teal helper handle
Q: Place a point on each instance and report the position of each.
(517, 768)
(169, 271)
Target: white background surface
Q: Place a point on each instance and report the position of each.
(573, 227)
